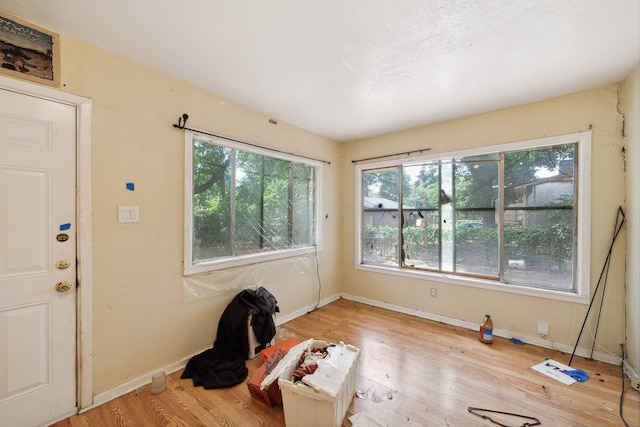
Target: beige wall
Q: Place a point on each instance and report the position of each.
(631, 109)
(143, 317)
(518, 314)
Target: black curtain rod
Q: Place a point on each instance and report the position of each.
(182, 122)
(392, 155)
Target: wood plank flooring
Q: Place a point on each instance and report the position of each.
(412, 372)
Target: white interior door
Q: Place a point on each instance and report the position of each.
(37, 260)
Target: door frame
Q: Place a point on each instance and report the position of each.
(84, 254)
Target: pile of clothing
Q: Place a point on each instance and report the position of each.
(223, 365)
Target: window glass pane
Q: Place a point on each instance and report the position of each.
(474, 202)
(276, 203)
(421, 231)
(248, 202)
(539, 217)
(211, 202)
(380, 217)
(507, 215)
(302, 201)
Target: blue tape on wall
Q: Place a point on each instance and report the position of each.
(64, 227)
(131, 186)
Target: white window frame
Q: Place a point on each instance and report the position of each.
(239, 260)
(583, 205)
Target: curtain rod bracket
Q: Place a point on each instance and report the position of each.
(182, 121)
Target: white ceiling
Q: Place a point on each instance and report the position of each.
(349, 69)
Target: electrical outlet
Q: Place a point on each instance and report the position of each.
(543, 328)
(434, 292)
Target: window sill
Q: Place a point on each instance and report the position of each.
(248, 259)
(452, 279)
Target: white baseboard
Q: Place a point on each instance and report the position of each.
(294, 315)
(137, 383)
(533, 340)
(121, 390)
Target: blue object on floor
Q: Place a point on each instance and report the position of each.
(577, 374)
(516, 341)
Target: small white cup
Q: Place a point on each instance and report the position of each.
(158, 382)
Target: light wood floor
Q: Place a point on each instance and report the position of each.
(430, 374)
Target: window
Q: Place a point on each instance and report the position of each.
(244, 205)
(510, 215)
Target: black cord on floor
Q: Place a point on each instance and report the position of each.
(622, 398)
(622, 392)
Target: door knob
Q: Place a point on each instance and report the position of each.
(62, 264)
(63, 286)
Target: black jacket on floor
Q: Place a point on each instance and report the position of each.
(224, 364)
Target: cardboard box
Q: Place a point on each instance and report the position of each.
(270, 394)
(284, 345)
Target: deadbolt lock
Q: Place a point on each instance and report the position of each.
(63, 286)
(62, 264)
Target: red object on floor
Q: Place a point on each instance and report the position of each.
(271, 395)
(284, 345)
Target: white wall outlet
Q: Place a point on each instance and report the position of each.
(543, 328)
(434, 292)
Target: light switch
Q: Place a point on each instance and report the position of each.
(128, 214)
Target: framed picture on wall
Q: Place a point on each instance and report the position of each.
(28, 51)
